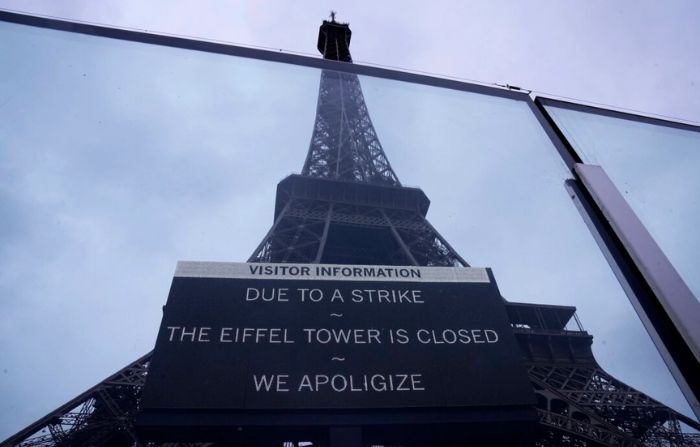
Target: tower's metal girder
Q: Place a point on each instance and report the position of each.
(344, 144)
(583, 401)
(329, 230)
(578, 403)
(101, 416)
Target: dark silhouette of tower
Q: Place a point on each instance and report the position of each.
(348, 206)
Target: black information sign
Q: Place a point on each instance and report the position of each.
(238, 336)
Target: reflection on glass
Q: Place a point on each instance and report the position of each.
(655, 168)
(497, 188)
(120, 158)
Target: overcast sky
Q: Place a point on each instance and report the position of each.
(127, 158)
(638, 54)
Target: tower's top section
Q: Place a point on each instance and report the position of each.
(344, 145)
(334, 40)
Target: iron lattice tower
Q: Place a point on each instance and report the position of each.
(349, 207)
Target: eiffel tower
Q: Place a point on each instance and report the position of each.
(348, 206)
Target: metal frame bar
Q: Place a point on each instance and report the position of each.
(254, 53)
(543, 102)
(566, 151)
(677, 299)
(664, 304)
(672, 296)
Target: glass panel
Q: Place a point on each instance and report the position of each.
(120, 158)
(655, 167)
(497, 189)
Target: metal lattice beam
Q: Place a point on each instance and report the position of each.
(344, 144)
(585, 401)
(104, 412)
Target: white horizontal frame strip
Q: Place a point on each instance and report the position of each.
(386, 273)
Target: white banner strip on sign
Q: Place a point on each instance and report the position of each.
(192, 269)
